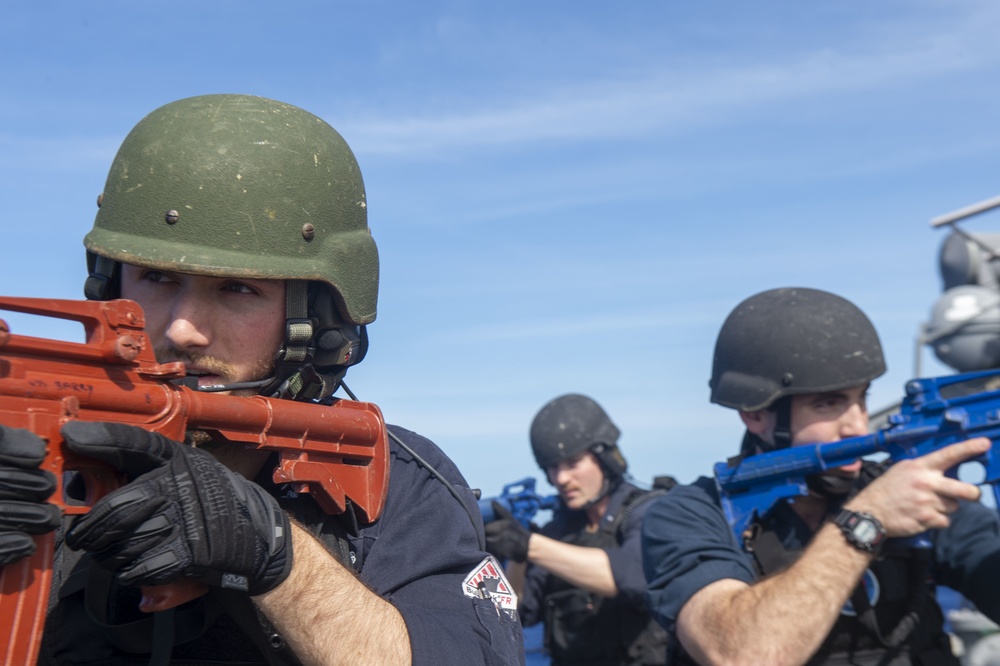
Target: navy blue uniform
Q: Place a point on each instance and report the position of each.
(419, 553)
(417, 556)
(688, 544)
(624, 559)
(598, 630)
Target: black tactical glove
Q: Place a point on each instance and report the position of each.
(23, 491)
(182, 514)
(506, 537)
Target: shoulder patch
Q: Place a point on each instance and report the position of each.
(488, 581)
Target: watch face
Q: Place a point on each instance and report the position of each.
(865, 531)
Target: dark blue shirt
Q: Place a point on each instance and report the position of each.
(687, 544)
(417, 556)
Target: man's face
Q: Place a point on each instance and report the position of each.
(819, 418)
(579, 479)
(224, 330)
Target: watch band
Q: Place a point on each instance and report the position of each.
(862, 530)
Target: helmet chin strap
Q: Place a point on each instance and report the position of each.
(296, 352)
(294, 376)
(317, 349)
(607, 486)
(781, 438)
(101, 284)
(294, 357)
(824, 485)
(783, 423)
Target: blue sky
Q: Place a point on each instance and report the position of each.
(567, 196)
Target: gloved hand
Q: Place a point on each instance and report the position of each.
(23, 491)
(506, 537)
(182, 514)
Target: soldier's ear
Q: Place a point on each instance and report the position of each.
(760, 423)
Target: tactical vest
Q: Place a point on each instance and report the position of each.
(892, 618)
(586, 629)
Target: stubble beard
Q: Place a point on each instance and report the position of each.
(201, 439)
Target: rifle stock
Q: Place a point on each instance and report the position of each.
(935, 413)
(335, 453)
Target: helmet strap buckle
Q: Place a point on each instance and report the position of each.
(783, 422)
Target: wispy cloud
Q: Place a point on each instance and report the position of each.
(672, 99)
(566, 327)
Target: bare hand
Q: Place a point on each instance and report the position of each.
(914, 495)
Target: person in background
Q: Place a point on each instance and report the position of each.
(583, 578)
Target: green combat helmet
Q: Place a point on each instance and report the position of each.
(247, 187)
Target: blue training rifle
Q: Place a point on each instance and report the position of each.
(521, 500)
(935, 413)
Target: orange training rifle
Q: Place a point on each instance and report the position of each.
(335, 453)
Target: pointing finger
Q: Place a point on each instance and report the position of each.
(955, 454)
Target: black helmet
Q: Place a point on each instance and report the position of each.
(573, 423)
(790, 341)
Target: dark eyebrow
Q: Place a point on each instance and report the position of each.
(842, 393)
(826, 395)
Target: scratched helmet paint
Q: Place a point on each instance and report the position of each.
(571, 424)
(246, 187)
(241, 186)
(792, 341)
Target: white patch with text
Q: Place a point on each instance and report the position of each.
(488, 581)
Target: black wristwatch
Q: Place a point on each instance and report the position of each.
(862, 530)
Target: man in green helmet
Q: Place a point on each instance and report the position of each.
(239, 224)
